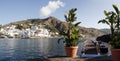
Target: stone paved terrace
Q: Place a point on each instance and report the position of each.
(103, 58)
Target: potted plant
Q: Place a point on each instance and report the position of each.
(71, 35)
(113, 20)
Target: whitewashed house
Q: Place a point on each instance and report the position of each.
(42, 33)
(13, 32)
(34, 31)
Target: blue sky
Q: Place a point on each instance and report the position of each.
(89, 11)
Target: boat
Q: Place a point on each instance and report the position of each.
(3, 36)
(94, 47)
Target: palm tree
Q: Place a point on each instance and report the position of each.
(72, 33)
(117, 16)
(109, 20)
(113, 20)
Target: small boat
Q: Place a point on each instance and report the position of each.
(92, 47)
(3, 36)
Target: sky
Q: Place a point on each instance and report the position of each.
(89, 12)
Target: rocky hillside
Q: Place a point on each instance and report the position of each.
(106, 31)
(56, 25)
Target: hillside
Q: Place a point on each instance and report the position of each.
(106, 31)
(55, 25)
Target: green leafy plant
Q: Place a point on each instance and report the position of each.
(113, 20)
(71, 35)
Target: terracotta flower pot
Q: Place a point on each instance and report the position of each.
(71, 51)
(115, 54)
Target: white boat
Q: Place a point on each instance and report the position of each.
(93, 48)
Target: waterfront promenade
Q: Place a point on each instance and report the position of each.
(103, 58)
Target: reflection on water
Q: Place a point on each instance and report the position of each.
(20, 49)
(23, 49)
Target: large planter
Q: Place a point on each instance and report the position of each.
(71, 51)
(115, 54)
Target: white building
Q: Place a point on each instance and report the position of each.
(42, 33)
(34, 31)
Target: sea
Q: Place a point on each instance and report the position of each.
(17, 49)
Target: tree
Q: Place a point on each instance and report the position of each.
(72, 33)
(117, 16)
(109, 20)
(18, 26)
(0, 26)
(26, 26)
(113, 20)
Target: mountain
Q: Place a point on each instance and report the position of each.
(56, 25)
(106, 31)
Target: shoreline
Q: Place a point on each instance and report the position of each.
(28, 37)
